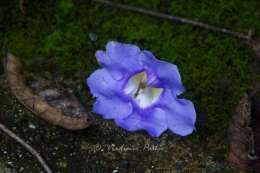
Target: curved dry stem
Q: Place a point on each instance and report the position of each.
(27, 146)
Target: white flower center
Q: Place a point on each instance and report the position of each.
(143, 95)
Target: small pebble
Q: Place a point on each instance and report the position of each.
(32, 126)
(93, 37)
(21, 169)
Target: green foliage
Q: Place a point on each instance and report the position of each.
(66, 6)
(54, 36)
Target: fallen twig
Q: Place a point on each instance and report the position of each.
(177, 19)
(21, 6)
(27, 146)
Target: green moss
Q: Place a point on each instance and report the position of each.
(66, 6)
(54, 36)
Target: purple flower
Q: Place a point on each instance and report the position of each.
(140, 92)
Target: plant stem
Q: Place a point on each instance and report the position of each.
(27, 146)
(177, 19)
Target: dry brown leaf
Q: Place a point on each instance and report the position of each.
(56, 107)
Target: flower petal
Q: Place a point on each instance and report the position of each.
(148, 96)
(120, 59)
(133, 83)
(140, 92)
(153, 121)
(166, 72)
(101, 83)
(112, 107)
(180, 114)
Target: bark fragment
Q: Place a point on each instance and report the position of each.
(244, 135)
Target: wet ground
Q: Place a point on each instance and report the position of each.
(101, 148)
